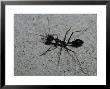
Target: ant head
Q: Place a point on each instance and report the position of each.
(47, 39)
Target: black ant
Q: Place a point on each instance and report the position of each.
(55, 42)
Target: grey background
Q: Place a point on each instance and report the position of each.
(38, 0)
(28, 46)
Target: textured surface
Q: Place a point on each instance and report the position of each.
(28, 45)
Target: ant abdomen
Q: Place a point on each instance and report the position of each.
(77, 43)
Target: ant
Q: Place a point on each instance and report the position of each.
(53, 41)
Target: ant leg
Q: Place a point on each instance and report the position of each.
(48, 23)
(59, 54)
(72, 34)
(47, 51)
(66, 33)
(48, 20)
(70, 37)
(70, 55)
(77, 60)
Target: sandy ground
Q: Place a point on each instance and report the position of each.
(28, 45)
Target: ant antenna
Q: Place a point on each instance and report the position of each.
(40, 35)
(66, 33)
